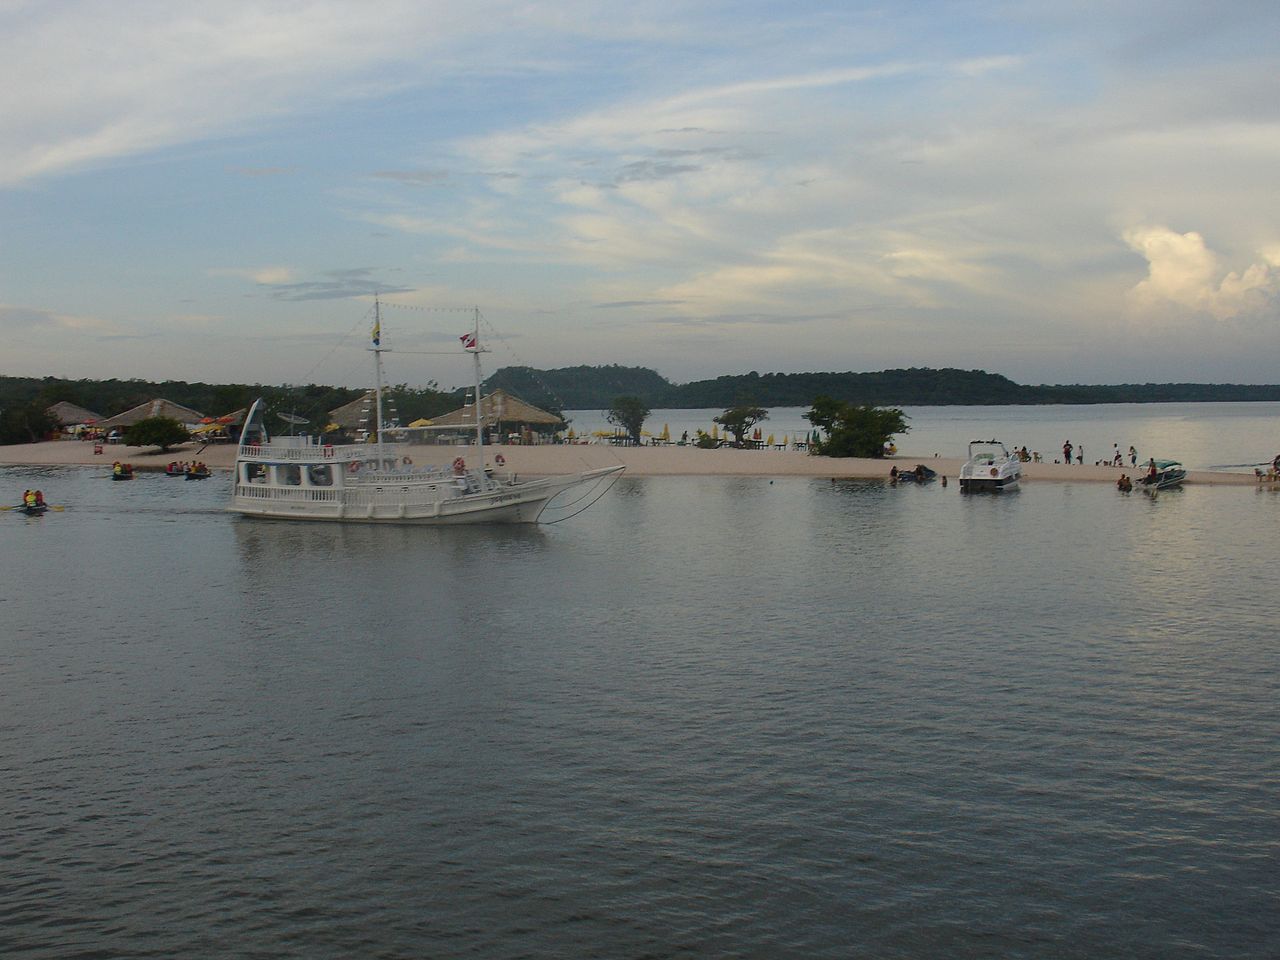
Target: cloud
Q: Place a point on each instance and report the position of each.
(267, 276)
(414, 177)
(35, 322)
(1183, 272)
(340, 285)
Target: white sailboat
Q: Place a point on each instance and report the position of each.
(302, 478)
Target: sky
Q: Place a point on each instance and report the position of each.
(1060, 192)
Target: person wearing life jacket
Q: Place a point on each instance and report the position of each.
(39, 498)
(29, 498)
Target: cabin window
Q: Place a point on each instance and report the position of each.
(320, 476)
(290, 474)
(255, 473)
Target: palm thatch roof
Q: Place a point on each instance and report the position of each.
(356, 415)
(69, 415)
(497, 408)
(154, 408)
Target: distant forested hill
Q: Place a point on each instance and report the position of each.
(594, 388)
(588, 388)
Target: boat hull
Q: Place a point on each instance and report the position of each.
(987, 484)
(408, 504)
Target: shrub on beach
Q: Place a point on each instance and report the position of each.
(162, 432)
(854, 430)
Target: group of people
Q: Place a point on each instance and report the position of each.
(122, 469)
(1115, 460)
(183, 467)
(1272, 474)
(33, 499)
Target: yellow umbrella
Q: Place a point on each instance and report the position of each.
(715, 432)
(571, 434)
(770, 440)
(666, 432)
(784, 440)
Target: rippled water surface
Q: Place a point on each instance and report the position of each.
(709, 717)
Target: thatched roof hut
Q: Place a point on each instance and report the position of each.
(500, 410)
(356, 415)
(69, 415)
(154, 408)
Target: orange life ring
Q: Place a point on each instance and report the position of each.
(354, 466)
(408, 462)
(995, 472)
(500, 460)
(459, 465)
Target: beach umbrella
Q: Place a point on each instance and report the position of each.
(666, 432)
(769, 442)
(715, 432)
(785, 441)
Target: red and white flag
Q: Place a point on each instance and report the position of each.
(468, 341)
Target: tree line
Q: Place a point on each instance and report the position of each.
(595, 388)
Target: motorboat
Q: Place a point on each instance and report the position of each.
(300, 477)
(990, 467)
(1162, 475)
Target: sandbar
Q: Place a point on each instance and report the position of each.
(550, 459)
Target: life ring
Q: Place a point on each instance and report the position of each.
(500, 460)
(459, 465)
(995, 472)
(354, 466)
(407, 461)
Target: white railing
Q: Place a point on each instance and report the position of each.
(276, 454)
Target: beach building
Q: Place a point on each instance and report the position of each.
(506, 419)
(153, 408)
(71, 418)
(353, 417)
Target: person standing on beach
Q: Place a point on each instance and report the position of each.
(1133, 456)
(1066, 452)
(1080, 455)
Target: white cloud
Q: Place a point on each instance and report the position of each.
(1184, 272)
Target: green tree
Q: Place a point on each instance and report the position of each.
(740, 419)
(629, 413)
(26, 423)
(855, 430)
(162, 432)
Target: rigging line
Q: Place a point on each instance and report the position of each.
(409, 306)
(612, 478)
(523, 363)
(334, 349)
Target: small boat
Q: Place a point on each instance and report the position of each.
(303, 478)
(919, 474)
(122, 473)
(990, 467)
(172, 470)
(203, 474)
(33, 509)
(1162, 475)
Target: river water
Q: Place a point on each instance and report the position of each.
(710, 717)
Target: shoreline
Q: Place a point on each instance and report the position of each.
(550, 459)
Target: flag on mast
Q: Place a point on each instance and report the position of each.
(468, 341)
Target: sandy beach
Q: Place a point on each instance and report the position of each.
(569, 458)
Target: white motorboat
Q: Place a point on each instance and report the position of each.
(303, 478)
(990, 467)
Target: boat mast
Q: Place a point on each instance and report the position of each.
(377, 363)
(475, 357)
